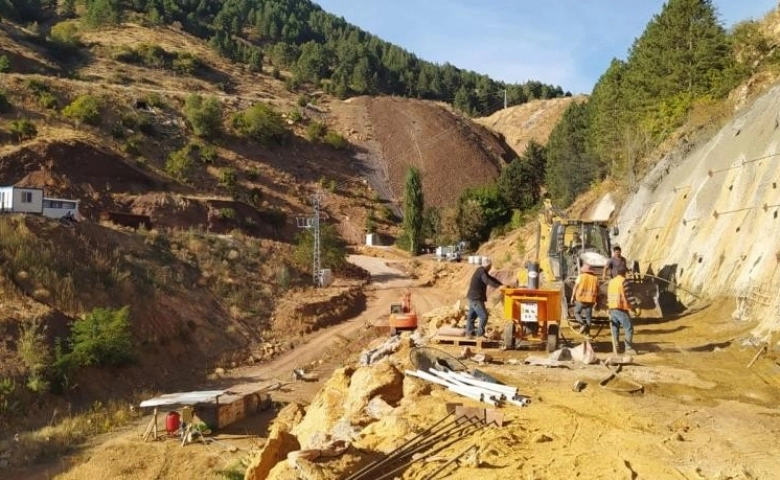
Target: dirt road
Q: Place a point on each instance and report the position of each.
(317, 351)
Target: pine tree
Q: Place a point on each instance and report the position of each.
(569, 169)
(414, 206)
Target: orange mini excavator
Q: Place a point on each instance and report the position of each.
(402, 315)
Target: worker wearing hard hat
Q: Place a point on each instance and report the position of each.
(620, 301)
(477, 296)
(586, 291)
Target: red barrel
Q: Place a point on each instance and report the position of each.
(172, 422)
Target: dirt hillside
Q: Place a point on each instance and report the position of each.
(531, 121)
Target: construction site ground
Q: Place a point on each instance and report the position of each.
(703, 412)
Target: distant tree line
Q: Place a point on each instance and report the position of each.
(314, 46)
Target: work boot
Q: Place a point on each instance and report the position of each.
(629, 350)
(585, 330)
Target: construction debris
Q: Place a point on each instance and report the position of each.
(374, 354)
(303, 375)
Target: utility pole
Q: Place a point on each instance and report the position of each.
(505, 99)
(313, 223)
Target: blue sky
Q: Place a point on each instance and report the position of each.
(560, 42)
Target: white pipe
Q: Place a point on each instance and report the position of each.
(507, 390)
(468, 391)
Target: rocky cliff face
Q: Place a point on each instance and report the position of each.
(708, 219)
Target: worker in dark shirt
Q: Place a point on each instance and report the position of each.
(612, 264)
(477, 296)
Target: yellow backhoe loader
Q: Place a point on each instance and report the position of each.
(563, 246)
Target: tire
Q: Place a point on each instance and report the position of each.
(552, 338)
(509, 336)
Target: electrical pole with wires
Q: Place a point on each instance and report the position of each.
(313, 223)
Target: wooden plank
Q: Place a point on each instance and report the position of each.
(458, 341)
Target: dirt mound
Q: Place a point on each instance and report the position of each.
(529, 121)
(75, 168)
(451, 152)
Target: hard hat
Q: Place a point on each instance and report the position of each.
(486, 261)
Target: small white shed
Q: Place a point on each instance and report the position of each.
(372, 240)
(21, 200)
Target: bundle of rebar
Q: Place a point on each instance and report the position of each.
(442, 434)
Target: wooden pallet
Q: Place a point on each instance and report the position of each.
(458, 341)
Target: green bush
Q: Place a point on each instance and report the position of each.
(316, 130)
(102, 338)
(23, 128)
(65, 34)
(180, 163)
(228, 177)
(185, 63)
(204, 115)
(296, 115)
(5, 64)
(84, 109)
(207, 153)
(336, 141)
(48, 100)
(302, 100)
(260, 122)
(227, 213)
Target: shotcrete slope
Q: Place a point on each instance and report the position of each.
(709, 220)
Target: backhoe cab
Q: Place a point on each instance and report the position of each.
(568, 244)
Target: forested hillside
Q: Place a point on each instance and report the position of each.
(298, 36)
(677, 72)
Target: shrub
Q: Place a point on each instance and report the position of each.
(65, 34)
(302, 101)
(185, 63)
(204, 115)
(37, 86)
(5, 64)
(316, 130)
(180, 164)
(260, 122)
(84, 109)
(227, 213)
(48, 100)
(23, 128)
(336, 141)
(227, 177)
(32, 347)
(207, 153)
(296, 115)
(102, 338)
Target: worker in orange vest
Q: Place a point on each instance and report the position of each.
(586, 291)
(621, 301)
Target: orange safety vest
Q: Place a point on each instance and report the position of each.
(587, 290)
(616, 295)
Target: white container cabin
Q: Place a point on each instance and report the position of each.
(61, 207)
(21, 200)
